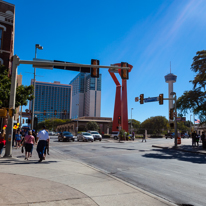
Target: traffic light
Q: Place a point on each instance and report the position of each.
(161, 99)
(94, 71)
(65, 112)
(171, 114)
(141, 98)
(29, 121)
(3, 112)
(172, 125)
(55, 112)
(11, 112)
(23, 121)
(124, 72)
(119, 119)
(44, 112)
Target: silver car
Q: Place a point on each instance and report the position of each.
(85, 136)
(96, 135)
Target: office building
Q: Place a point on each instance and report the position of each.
(52, 100)
(7, 25)
(86, 96)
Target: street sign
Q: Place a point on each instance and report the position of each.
(136, 99)
(151, 99)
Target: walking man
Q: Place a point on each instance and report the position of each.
(143, 138)
(43, 138)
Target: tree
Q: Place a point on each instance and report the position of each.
(135, 124)
(23, 93)
(155, 125)
(92, 125)
(52, 123)
(195, 99)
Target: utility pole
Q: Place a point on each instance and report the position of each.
(12, 100)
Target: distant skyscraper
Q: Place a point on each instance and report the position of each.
(51, 97)
(170, 79)
(86, 96)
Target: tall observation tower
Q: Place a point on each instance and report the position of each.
(170, 79)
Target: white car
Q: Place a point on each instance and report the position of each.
(115, 135)
(85, 136)
(96, 135)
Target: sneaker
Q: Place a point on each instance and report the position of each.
(40, 160)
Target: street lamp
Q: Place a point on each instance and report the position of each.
(175, 98)
(37, 46)
(131, 119)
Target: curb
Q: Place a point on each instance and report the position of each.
(183, 150)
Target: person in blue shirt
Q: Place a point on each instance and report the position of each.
(18, 139)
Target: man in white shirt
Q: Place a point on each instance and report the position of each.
(43, 138)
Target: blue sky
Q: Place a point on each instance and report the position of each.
(147, 34)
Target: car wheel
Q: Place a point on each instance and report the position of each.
(92, 141)
(100, 140)
(166, 137)
(78, 140)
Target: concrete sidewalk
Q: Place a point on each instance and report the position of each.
(185, 146)
(66, 182)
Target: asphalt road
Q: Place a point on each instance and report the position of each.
(179, 177)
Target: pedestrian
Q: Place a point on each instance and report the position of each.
(133, 136)
(18, 139)
(203, 140)
(29, 142)
(194, 139)
(34, 134)
(47, 148)
(143, 137)
(2, 141)
(42, 138)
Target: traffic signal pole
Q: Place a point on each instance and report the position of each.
(175, 99)
(12, 99)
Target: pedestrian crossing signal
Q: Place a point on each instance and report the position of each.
(55, 112)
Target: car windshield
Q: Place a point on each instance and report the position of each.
(94, 133)
(86, 133)
(67, 133)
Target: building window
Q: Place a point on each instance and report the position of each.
(1, 34)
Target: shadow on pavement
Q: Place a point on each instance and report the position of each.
(176, 154)
(22, 161)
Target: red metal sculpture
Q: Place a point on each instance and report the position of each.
(120, 106)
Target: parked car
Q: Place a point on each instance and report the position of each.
(184, 135)
(96, 135)
(51, 133)
(170, 135)
(65, 136)
(85, 136)
(115, 135)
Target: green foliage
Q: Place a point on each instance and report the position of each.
(195, 100)
(135, 124)
(52, 123)
(23, 93)
(92, 125)
(155, 125)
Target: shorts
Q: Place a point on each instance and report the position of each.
(18, 140)
(28, 147)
